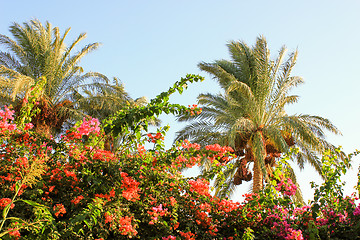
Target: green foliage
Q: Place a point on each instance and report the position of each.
(130, 122)
(248, 234)
(329, 198)
(27, 110)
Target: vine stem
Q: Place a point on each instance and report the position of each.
(8, 209)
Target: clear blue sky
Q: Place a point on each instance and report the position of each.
(151, 44)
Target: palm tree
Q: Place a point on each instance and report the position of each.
(40, 51)
(250, 115)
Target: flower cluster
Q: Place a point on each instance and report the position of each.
(106, 196)
(294, 234)
(171, 237)
(287, 187)
(13, 232)
(201, 186)
(130, 187)
(90, 126)
(221, 153)
(154, 138)
(104, 155)
(126, 227)
(194, 109)
(357, 211)
(108, 217)
(6, 201)
(6, 117)
(87, 127)
(188, 235)
(156, 212)
(28, 126)
(186, 144)
(59, 210)
(228, 205)
(77, 200)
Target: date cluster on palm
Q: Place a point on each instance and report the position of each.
(244, 174)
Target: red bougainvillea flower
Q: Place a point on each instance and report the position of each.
(141, 150)
(14, 233)
(104, 155)
(187, 145)
(228, 205)
(126, 227)
(108, 217)
(7, 114)
(192, 108)
(154, 138)
(59, 210)
(173, 201)
(130, 186)
(357, 211)
(22, 162)
(200, 186)
(294, 235)
(77, 200)
(188, 235)
(156, 212)
(6, 201)
(288, 187)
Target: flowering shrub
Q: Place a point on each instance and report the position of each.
(72, 188)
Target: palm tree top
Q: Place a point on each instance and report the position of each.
(38, 50)
(250, 114)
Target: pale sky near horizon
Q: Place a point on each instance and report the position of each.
(151, 44)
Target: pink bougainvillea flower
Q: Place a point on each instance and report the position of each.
(171, 237)
(28, 126)
(90, 126)
(357, 211)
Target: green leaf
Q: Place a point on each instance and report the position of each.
(34, 204)
(6, 210)
(87, 224)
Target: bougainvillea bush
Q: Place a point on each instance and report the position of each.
(71, 188)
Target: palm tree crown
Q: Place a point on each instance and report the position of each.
(250, 114)
(40, 51)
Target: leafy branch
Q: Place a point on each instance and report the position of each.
(132, 120)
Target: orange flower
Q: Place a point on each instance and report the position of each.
(60, 210)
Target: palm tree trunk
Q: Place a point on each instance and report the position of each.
(258, 177)
(258, 149)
